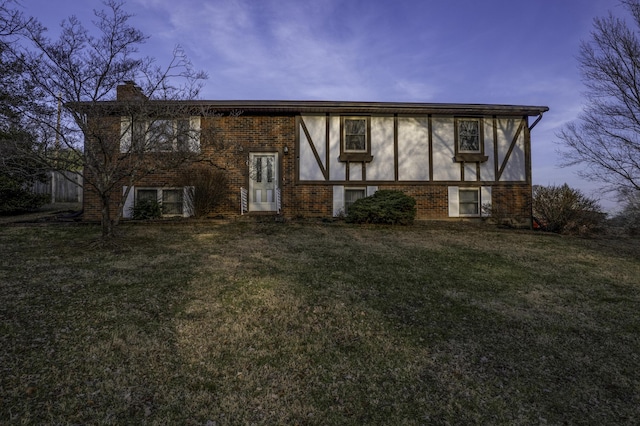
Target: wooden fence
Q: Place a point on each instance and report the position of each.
(63, 187)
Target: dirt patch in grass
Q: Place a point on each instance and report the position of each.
(57, 212)
(268, 323)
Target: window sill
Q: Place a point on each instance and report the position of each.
(470, 158)
(356, 156)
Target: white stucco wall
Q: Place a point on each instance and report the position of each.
(337, 170)
(515, 167)
(444, 168)
(487, 169)
(382, 166)
(413, 148)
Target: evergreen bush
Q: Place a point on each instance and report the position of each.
(389, 207)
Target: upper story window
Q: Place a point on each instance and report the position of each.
(468, 135)
(355, 134)
(160, 135)
(469, 140)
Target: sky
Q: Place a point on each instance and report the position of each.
(511, 52)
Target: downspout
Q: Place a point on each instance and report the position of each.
(536, 122)
(531, 128)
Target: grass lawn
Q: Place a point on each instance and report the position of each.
(267, 323)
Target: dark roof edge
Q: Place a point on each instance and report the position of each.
(302, 107)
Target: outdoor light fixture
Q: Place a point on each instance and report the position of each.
(286, 150)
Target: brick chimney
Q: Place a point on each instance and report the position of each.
(129, 91)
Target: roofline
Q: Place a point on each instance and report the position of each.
(343, 107)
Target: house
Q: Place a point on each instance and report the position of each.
(315, 158)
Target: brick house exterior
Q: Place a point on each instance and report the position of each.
(313, 158)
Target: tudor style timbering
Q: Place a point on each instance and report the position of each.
(417, 149)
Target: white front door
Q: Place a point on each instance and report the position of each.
(263, 181)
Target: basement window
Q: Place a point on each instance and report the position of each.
(469, 202)
(170, 199)
(351, 195)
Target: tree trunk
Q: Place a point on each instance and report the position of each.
(107, 225)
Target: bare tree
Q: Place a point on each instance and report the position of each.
(19, 167)
(606, 137)
(77, 77)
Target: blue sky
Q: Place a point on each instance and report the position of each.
(451, 51)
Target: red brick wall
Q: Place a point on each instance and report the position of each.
(226, 142)
(512, 202)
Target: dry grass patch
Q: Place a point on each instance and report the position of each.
(256, 323)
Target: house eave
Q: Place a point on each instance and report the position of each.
(331, 107)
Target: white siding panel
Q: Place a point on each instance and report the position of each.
(338, 200)
(317, 127)
(188, 208)
(487, 169)
(382, 166)
(515, 169)
(371, 190)
(309, 169)
(444, 168)
(454, 210)
(194, 133)
(337, 170)
(413, 149)
(125, 134)
(485, 201)
(355, 171)
(470, 172)
(127, 208)
(507, 129)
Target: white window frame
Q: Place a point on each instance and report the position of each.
(459, 136)
(484, 201)
(366, 135)
(478, 202)
(132, 198)
(348, 189)
(339, 197)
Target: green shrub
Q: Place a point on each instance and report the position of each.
(147, 209)
(384, 207)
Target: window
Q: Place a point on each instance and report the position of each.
(469, 140)
(468, 135)
(263, 166)
(172, 202)
(355, 135)
(469, 202)
(351, 195)
(146, 195)
(161, 135)
(170, 199)
(355, 146)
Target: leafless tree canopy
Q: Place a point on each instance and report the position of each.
(606, 137)
(76, 73)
